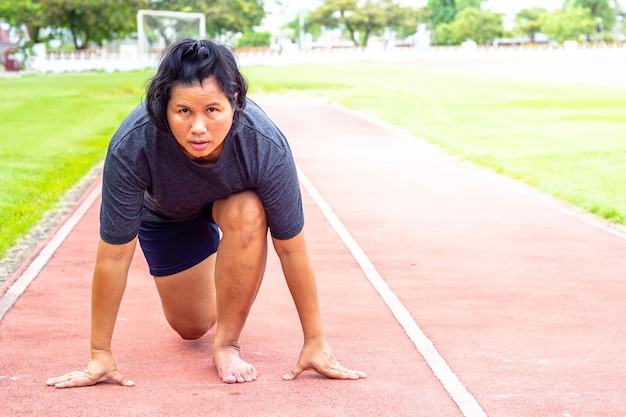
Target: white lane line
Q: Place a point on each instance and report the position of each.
(465, 401)
(20, 285)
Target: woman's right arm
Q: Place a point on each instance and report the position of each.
(109, 282)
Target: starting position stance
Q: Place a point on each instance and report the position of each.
(195, 159)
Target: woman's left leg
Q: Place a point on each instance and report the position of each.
(239, 269)
(188, 299)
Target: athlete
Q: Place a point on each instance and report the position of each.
(199, 175)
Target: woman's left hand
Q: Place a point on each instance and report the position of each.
(317, 356)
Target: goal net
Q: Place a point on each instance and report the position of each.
(156, 29)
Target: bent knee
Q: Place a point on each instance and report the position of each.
(192, 333)
(241, 212)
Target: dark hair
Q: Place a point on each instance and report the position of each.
(190, 61)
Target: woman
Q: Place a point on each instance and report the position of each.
(195, 157)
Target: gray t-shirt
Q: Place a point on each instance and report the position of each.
(147, 177)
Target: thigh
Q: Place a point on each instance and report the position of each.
(188, 298)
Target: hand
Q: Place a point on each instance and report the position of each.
(318, 357)
(101, 367)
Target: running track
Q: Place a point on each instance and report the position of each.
(460, 293)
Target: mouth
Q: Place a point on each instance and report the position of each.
(199, 146)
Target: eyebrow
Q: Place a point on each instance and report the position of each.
(211, 104)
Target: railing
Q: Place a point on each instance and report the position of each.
(127, 57)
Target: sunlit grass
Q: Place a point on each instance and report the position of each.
(564, 139)
(54, 130)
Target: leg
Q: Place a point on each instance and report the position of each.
(188, 299)
(239, 269)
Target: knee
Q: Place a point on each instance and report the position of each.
(191, 332)
(243, 213)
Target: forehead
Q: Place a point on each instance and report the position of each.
(208, 88)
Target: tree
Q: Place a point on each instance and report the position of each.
(464, 4)
(361, 19)
(24, 12)
(568, 24)
(442, 11)
(222, 16)
(481, 26)
(405, 20)
(444, 35)
(601, 10)
(529, 21)
(92, 20)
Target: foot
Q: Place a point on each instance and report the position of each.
(230, 367)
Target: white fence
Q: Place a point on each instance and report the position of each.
(127, 57)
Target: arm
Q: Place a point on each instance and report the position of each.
(300, 278)
(109, 282)
(316, 353)
(108, 285)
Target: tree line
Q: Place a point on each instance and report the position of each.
(94, 21)
(451, 21)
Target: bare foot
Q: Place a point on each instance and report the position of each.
(230, 367)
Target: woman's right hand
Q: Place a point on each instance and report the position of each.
(101, 367)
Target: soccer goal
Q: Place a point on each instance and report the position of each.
(156, 29)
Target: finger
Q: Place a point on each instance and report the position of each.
(293, 374)
(65, 378)
(340, 372)
(117, 376)
(75, 379)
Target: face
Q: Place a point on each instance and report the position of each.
(200, 117)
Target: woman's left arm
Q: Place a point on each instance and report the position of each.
(300, 277)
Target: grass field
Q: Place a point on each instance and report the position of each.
(54, 130)
(566, 140)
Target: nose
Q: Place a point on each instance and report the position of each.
(198, 125)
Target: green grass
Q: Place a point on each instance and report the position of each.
(54, 130)
(566, 140)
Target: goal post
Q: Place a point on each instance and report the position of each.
(156, 29)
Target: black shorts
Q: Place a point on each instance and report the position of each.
(170, 248)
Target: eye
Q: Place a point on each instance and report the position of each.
(184, 111)
(211, 109)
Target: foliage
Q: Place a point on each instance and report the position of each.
(530, 21)
(309, 25)
(222, 17)
(254, 39)
(601, 10)
(464, 4)
(406, 21)
(445, 35)
(95, 20)
(481, 26)
(92, 20)
(442, 11)
(29, 12)
(361, 19)
(568, 24)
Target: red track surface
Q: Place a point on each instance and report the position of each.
(523, 300)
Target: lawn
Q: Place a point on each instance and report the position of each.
(54, 130)
(566, 140)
